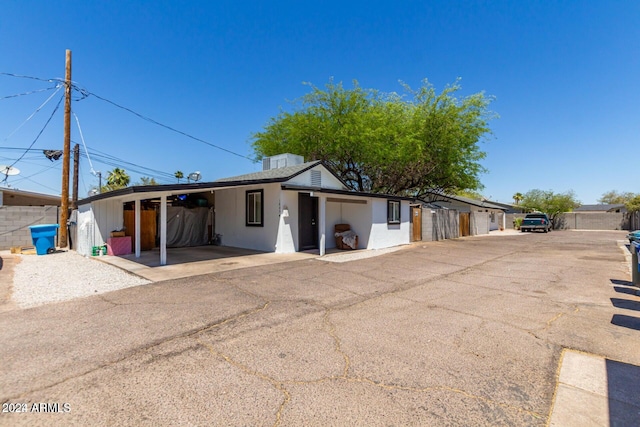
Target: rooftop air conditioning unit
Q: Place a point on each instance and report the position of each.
(281, 161)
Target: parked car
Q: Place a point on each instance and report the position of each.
(536, 221)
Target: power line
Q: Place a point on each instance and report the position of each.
(29, 93)
(31, 77)
(98, 153)
(58, 87)
(167, 127)
(37, 137)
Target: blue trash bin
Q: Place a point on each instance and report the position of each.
(43, 237)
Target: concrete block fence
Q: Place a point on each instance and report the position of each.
(15, 222)
(587, 221)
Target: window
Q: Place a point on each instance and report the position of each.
(393, 212)
(255, 208)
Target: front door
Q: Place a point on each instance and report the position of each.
(307, 222)
(416, 221)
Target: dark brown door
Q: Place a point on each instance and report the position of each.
(147, 228)
(465, 224)
(307, 222)
(416, 221)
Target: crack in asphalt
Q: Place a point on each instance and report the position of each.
(330, 329)
(275, 383)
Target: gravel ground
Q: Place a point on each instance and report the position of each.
(63, 276)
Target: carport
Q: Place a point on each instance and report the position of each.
(197, 260)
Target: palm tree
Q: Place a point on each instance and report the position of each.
(117, 178)
(179, 175)
(518, 198)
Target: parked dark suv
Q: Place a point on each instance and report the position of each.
(536, 221)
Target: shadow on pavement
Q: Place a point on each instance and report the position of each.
(626, 321)
(621, 282)
(628, 291)
(623, 383)
(626, 304)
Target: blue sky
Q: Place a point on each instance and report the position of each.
(564, 76)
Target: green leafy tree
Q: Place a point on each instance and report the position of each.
(179, 175)
(116, 179)
(633, 205)
(518, 198)
(384, 142)
(613, 197)
(553, 204)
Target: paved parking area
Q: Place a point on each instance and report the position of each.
(462, 332)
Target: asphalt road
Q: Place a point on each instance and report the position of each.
(460, 332)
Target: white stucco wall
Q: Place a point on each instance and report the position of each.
(230, 218)
(385, 235)
(358, 216)
(327, 178)
(95, 223)
(288, 226)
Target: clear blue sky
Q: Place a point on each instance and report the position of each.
(566, 77)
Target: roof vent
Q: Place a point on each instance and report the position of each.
(281, 161)
(316, 178)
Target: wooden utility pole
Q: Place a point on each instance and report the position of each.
(64, 203)
(76, 165)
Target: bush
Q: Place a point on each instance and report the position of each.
(517, 223)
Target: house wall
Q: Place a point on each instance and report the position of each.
(327, 178)
(95, 223)
(15, 222)
(288, 225)
(230, 218)
(480, 223)
(358, 216)
(385, 235)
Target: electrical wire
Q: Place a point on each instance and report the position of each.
(36, 139)
(29, 93)
(109, 157)
(85, 145)
(35, 112)
(30, 77)
(169, 127)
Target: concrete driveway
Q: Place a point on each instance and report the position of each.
(461, 332)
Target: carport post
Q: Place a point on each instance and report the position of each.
(322, 223)
(163, 230)
(137, 225)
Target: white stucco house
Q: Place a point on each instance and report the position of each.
(287, 207)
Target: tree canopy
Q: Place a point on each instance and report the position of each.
(633, 204)
(145, 180)
(384, 142)
(615, 197)
(553, 204)
(117, 178)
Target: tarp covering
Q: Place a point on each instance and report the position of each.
(187, 227)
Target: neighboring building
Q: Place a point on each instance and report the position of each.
(618, 208)
(11, 197)
(464, 205)
(509, 208)
(290, 206)
(21, 209)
